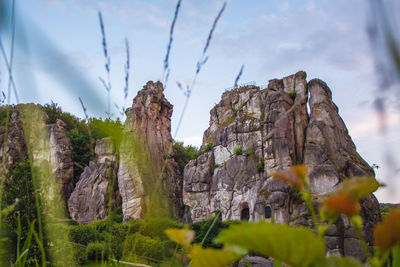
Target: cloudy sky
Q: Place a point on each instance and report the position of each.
(59, 57)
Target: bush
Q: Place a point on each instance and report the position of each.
(82, 234)
(137, 244)
(80, 255)
(97, 251)
(153, 227)
(237, 151)
(207, 148)
(201, 229)
(115, 216)
(183, 154)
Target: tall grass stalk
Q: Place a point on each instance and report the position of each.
(171, 33)
(11, 49)
(9, 69)
(107, 85)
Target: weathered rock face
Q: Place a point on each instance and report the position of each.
(14, 147)
(61, 157)
(58, 153)
(145, 152)
(97, 189)
(256, 132)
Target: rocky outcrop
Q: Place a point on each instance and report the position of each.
(147, 171)
(256, 132)
(54, 148)
(61, 157)
(96, 192)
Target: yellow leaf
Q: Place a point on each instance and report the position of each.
(183, 237)
(211, 257)
(295, 176)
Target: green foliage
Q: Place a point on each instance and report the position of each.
(78, 133)
(207, 148)
(4, 115)
(295, 194)
(302, 246)
(183, 154)
(249, 153)
(237, 151)
(106, 128)
(153, 227)
(97, 251)
(260, 166)
(80, 255)
(115, 216)
(201, 229)
(335, 261)
(18, 191)
(82, 234)
(141, 245)
(292, 94)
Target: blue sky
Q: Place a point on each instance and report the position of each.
(59, 58)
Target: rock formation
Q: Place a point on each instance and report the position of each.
(54, 148)
(96, 192)
(146, 152)
(256, 132)
(61, 157)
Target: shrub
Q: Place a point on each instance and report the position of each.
(183, 154)
(207, 148)
(201, 229)
(155, 227)
(137, 244)
(97, 251)
(116, 216)
(80, 255)
(237, 151)
(82, 234)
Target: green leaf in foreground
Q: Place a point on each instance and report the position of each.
(296, 246)
(335, 261)
(212, 257)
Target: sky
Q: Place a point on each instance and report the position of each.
(59, 57)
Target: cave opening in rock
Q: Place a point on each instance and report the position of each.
(268, 212)
(245, 214)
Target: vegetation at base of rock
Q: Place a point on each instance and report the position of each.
(97, 251)
(77, 131)
(18, 193)
(201, 229)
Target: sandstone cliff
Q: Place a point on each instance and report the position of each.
(96, 192)
(22, 130)
(255, 132)
(148, 176)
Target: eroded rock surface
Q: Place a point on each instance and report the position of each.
(53, 146)
(256, 132)
(61, 157)
(146, 152)
(96, 192)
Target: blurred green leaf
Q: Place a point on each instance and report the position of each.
(212, 257)
(335, 261)
(297, 246)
